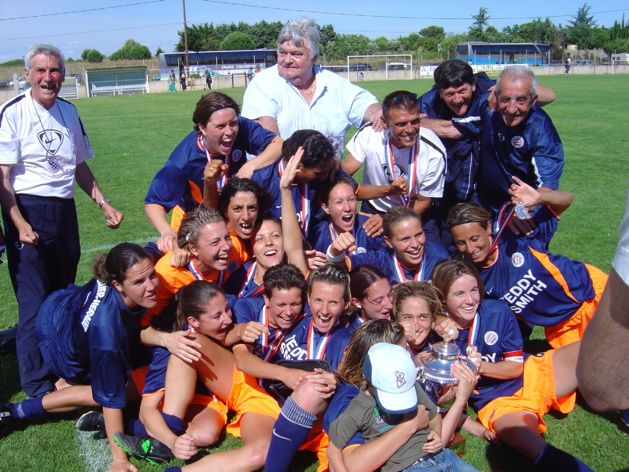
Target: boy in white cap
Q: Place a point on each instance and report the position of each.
(389, 398)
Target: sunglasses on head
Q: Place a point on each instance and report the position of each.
(412, 97)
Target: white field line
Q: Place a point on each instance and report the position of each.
(95, 454)
(105, 247)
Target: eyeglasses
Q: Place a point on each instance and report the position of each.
(411, 97)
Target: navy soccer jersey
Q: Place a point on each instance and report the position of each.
(241, 283)
(531, 151)
(180, 181)
(462, 154)
(496, 335)
(305, 341)
(254, 309)
(306, 196)
(85, 336)
(541, 288)
(395, 272)
(324, 234)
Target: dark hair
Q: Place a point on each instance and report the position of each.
(114, 265)
(332, 275)
(193, 300)
(463, 213)
(400, 99)
(366, 335)
(283, 277)
(396, 215)
(363, 277)
(338, 180)
(208, 104)
(453, 73)
(318, 150)
(449, 271)
(414, 289)
(235, 185)
(192, 223)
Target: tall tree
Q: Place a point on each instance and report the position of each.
(131, 50)
(477, 30)
(432, 31)
(237, 40)
(201, 37)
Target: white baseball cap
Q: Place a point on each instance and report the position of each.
(389, 369)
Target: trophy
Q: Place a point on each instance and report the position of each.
(433, 373)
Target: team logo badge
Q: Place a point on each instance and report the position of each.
(236, 155)
(491, 338)
(517, 142)
(517, 259)
(51, 140)
(399, 172)
(232, 266)
(501, 137)
(361, 250)
(400, 379)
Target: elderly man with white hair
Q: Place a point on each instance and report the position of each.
(297, 94)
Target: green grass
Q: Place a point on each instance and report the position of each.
(133, 135)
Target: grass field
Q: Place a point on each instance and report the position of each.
(133, 135)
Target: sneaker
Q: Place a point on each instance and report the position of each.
(91, 421)
(144, 447)
(6, 416)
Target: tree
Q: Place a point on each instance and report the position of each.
(265, 34)
(92, 55)
(382, 44)
(237, 40)
(328, 35)
(432, 31)
(477, 30)
(202, 37)
(131, 50)
(159, 51)
(346, 45)
(583, 17)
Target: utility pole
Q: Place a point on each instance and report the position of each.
(185, 34)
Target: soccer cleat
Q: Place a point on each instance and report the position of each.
(144, 447)
(91, 421)
(6, 416)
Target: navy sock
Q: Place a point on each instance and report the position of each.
(175, 424)
(289, 432)
(172, 469)
(27, 409)
(136, 428)
(624, 414)
(552, 459)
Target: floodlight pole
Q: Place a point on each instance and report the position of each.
(185, 34)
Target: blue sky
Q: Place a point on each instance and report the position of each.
(155, 23)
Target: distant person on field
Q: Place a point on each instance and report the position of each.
(567, 66)
(208, 79)
(297, 94)
(43, 152)
(182, 80)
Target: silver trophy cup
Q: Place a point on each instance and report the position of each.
(433, 373)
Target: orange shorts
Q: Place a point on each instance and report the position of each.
(247, 397)
(572, 329)
(536, 395)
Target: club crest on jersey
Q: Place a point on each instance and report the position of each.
(361, 250)
(236, 155)
(501, 137)
(517, 142)
(517, 259)
(491, 338)
(399, 172)
(51, 140)
(232, 266)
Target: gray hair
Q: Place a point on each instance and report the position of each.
(298, 30)
(515, 74)
(48, 50)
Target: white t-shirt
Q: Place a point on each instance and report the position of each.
(43, 147)
(621, 259)
(336, 105)
(372, 150)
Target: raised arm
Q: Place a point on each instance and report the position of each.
(557, 200)
(293, 240)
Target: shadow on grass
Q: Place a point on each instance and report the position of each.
(10, 384)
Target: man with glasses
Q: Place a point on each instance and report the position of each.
(405, 162)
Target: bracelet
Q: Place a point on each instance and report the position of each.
(102, 202)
